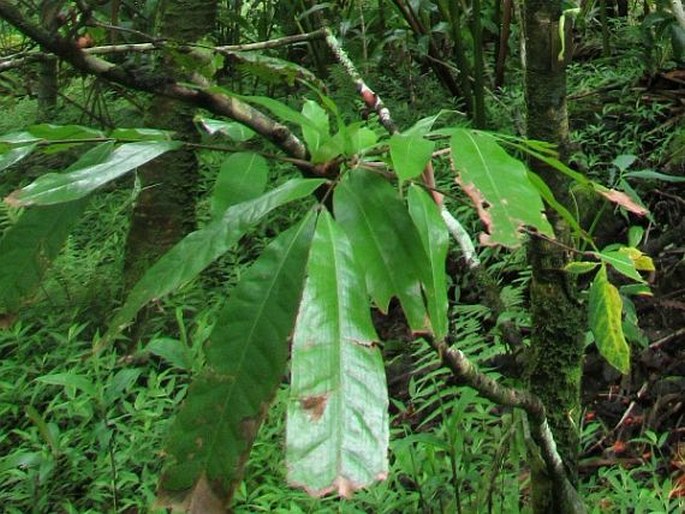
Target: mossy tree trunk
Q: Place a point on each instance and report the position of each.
(165, 208)
(555, 364)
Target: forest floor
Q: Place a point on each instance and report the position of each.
(652, 397)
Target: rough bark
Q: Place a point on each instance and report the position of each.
(164, 210)
(557, 337)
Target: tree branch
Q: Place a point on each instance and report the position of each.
(217, 103)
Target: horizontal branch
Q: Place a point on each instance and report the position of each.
(466, 371)
(198, 96)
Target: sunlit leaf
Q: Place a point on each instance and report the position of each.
(385, 241)
(435, 239)
(242, 177)
(409, 155)
(141, 134)
(54, 188)
(13, 155)
(499, 187)
(246, 360)
(199, 249)
(604, 315)
(337, 430)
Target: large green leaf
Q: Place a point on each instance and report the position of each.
(604, 315)
(499, 187)
(246, 360)
(385, 241)
(435, 239)
(199, 249)
(314, 137)
(29, 246)
(410, 154)
(337, 429)
(242, 176)
(54, 188)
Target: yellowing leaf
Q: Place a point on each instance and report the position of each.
(604, 314)
(641, 261)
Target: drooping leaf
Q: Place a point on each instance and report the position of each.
(242, 177)
(435, 239)
(29, 246)
(281, 110)
(53, 188)
(314, 137)
(13, 155)
(199, 249)
(641, 261)
(386, 241)
(499, 187)
(409, 155)
(246, 359)
(624, 161)
(337, 428)
(69, 379)
(604, 315)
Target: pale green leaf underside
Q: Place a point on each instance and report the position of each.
(499, 187)
(54, 188)
(246, 359)
(604, 315)
(199, 249)
(337, 430)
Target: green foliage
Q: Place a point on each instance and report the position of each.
(337, 432)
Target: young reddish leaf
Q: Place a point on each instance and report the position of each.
(622, 199)
(604, 315)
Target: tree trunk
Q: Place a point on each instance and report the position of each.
(555, 365)
(165, 211)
